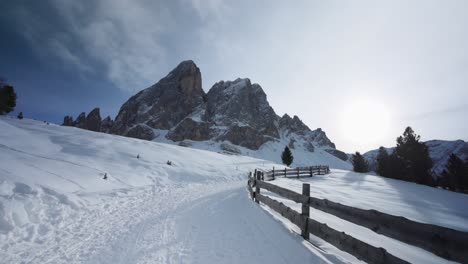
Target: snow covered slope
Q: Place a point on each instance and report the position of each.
(55, 206)
(416, 202)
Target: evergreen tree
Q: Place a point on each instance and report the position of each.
(395, 167)
(20, 115)
(415, 157)
(455, 174)
(7, 98)
(382, 162)
(287, 156)
(359, 163)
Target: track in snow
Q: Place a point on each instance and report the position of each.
(193, 224)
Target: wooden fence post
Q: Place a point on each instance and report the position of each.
(305, 211)
(285, 172)
(311, 173)
(273, 174)
(257, 186)
(298, 173)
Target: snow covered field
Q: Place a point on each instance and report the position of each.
(413, 201)
(55, 206)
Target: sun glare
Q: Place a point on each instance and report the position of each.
(365, 121)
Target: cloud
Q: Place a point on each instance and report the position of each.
(123, 36)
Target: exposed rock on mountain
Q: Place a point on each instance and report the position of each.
(81, 121)
(68, 121)
(106, 124)
(165, 104)
(233, 117)
(338, 153)
(190, 129)
(140, 131)
(234, 111)
(93, 120)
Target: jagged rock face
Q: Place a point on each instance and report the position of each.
(164, 104)
(230, 149)
(81, 121)
(106, 124)
(68, 121)
(293, 125)
(309, 146)
(337, 153)
(190, 129)
(245, 136)
(140, 131)
(241, 103)
(235, 111)
(320, 138)
(93, 120)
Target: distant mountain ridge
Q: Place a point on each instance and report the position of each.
(234, 117)
(439, 151)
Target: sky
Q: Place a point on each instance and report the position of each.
(360, 70)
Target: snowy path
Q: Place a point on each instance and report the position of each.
(190, 224)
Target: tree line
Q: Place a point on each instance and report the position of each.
(410, 161)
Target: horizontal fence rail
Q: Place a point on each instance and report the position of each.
(299, 172)
(444, 242)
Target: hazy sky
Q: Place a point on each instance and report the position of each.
(329, 62)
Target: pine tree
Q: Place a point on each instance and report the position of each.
(395, 167)
(7, 98)
(415, 157)
(455, 174)
(20, 115)
(382, 162)
(287, 156)
(359, 163)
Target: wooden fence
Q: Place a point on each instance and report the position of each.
(444, 242)
(299, 172)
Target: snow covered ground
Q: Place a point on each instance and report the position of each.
(55, 206)
(413, 201)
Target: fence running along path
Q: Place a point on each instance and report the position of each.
(444, 242)
(299, 172)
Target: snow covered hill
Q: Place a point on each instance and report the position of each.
(55, 206)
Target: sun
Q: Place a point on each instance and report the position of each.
(365, 122)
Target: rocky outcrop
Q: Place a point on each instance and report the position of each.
(190, 129)
(81, 121)
(106, 124)
(241, 103)
(245, 136)
(293, 125)
(165, 104)
(68, 121)
(235, 113)
(229, 148)
(140, 131)
(337, 153)
(93, 120)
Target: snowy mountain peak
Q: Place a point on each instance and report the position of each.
(234, 116)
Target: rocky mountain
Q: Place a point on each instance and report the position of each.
(92, 121)
(233, 117)
(439, 151)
